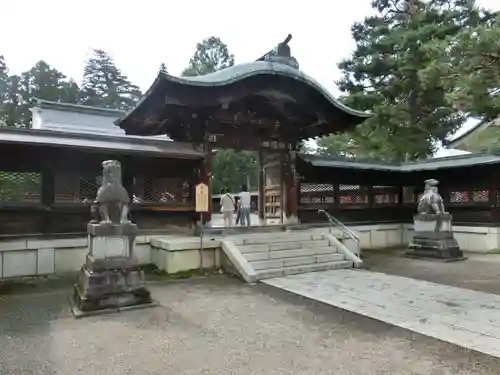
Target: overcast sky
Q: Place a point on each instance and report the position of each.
(140, 35)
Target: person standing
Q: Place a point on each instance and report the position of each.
(245, 204)
(238, 212)
(227, 207)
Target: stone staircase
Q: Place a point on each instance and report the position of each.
(267, 255)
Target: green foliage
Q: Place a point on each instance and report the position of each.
(384, 75)
(470, 61)
(211, 55)
(43, 81)
(19, 187)
(4, 80)
(104, 85)
(231, 169)
(19, 93)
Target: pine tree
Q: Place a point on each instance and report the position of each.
(104, 85)
(230, 168)
(43, 82)
(4, 80)
(13, 105)
(384, 75)
(471, 63)
(210, 56)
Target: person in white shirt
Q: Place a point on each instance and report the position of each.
(227, 207)
(245, 202)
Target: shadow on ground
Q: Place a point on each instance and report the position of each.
(217, 325)
(480, 272)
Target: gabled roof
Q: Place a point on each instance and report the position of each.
(98, 142)
(461, 161)
(78, 108)
(75, 118)
(458, 142)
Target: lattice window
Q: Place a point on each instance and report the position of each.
(385, 195)
(20, 187)
(272, 205)
(166, 190)
(316, 194)
(458, 197)
(409, 194)
(138, 190)
(273, 176)
(74, 188)
(481, 196)
(353, 194)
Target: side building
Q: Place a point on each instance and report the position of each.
(49, 174)
(482, 137)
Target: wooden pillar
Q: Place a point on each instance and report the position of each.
(262, 197)
(47, 196)
(371, 201)
(494, 203)
(128, 178)
(290, 184)
(400, 204)
(206, 178)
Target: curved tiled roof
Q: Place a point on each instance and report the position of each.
(240, 72)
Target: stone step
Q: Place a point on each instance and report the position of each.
(246, 249)
(324, 250)
(266, 239)
(264, 255)
(292, 270)
(284, 262)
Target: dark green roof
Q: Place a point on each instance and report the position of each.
(242, 71)
(99, 142)
(333, 113)
(461, 161)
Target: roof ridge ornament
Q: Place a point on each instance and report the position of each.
(281, 54)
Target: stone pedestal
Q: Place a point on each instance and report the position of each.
(433, 238)
(110, 279)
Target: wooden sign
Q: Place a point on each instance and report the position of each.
(201, 197)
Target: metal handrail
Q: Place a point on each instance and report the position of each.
(345, 230)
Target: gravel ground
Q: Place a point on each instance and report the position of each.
(217, 325)
(479, 272)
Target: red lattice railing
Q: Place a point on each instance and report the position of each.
(409, 195)
(385, 195)
(353, 195)
(316, 194)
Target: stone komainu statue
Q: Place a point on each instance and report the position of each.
(112, 203)
(431, 202)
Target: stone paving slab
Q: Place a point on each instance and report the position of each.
(459, 316)
(216, 325)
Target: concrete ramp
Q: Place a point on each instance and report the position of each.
(459, 316)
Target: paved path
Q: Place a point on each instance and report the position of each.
(215, 325)
(218, 221)
(463, 317)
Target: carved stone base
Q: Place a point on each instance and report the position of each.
(109, 289)
(437, 245)
(107, 264)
